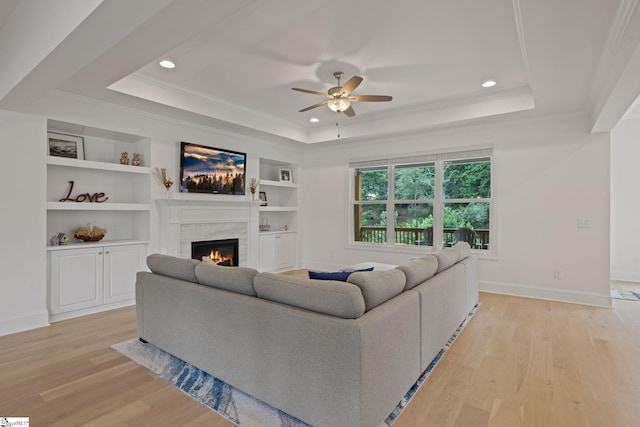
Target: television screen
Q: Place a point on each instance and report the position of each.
(211, 170)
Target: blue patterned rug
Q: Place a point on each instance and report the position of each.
(233, 404)
(622, 294)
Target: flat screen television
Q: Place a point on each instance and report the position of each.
(211, 170)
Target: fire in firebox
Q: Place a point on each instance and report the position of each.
(222, 252)
(220, 259)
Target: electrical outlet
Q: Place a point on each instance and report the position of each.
(557, 274)
(584, 223)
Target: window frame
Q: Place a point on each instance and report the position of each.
(438, 159)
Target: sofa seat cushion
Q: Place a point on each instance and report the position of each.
(378, 286)
(418, 270)
(331, 297)
(171, 266)
(446, 258)
(234, 279)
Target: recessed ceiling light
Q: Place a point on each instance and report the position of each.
(165, 63)
(314, 120)
(489, 83)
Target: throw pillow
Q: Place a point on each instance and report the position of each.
(341, 276)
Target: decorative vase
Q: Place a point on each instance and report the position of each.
(167, 193)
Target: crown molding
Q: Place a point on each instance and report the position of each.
(611, 47)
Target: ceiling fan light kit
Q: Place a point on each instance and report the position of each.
(339, 97)
(339, 105)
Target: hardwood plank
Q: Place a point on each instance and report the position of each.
(519, 362)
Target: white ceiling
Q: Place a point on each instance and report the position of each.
(237, 60)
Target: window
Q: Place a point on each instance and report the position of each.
(434, 200)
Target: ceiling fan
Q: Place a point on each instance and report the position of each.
(340, 98)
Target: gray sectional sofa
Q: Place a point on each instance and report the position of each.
(330, 353)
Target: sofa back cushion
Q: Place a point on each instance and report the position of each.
(171, 266)
(234, 279)
(378, 286)
(464, 250)
(446, 258)
(418, 270)
(331, 297)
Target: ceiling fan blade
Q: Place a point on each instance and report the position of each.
(319, 104)
(370, 98)
(350, 112)
(351, 84)
(312, 92)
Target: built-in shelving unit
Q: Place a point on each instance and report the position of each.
(277, 245)
(124, 209)
(282, 197)
(90, 277)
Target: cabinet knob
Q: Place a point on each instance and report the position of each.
(99, 253)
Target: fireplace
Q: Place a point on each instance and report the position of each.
(222, 252)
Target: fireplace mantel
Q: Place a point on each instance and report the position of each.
(208, 216)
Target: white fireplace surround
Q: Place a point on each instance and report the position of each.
(195, 217)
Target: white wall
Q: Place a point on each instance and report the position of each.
(625, 200)
(547, 175)
(23, 225)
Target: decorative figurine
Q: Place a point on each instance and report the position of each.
(124, 158)
(63, 239)
(136, 159)
(54, 240)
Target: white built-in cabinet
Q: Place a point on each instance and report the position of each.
(277, 251)
(95, 276)
(278, 244)
(92, 279)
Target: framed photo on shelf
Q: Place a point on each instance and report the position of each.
(263, 198)
(70, 146)
(285, 175)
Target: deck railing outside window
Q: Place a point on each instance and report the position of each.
(415, 236)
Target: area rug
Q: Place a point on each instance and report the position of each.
(232, 403)
(622, 294)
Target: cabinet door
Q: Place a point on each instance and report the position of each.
(268, 252)
(76, 279)
(121, 263)
(286, 250)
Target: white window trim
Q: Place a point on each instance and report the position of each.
(433, 157)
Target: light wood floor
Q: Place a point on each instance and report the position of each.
(519, 362)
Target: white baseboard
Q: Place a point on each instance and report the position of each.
(625, 276)
(587, 298)
(11, 325)
(91, 310)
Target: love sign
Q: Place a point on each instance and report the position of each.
(84, 197)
